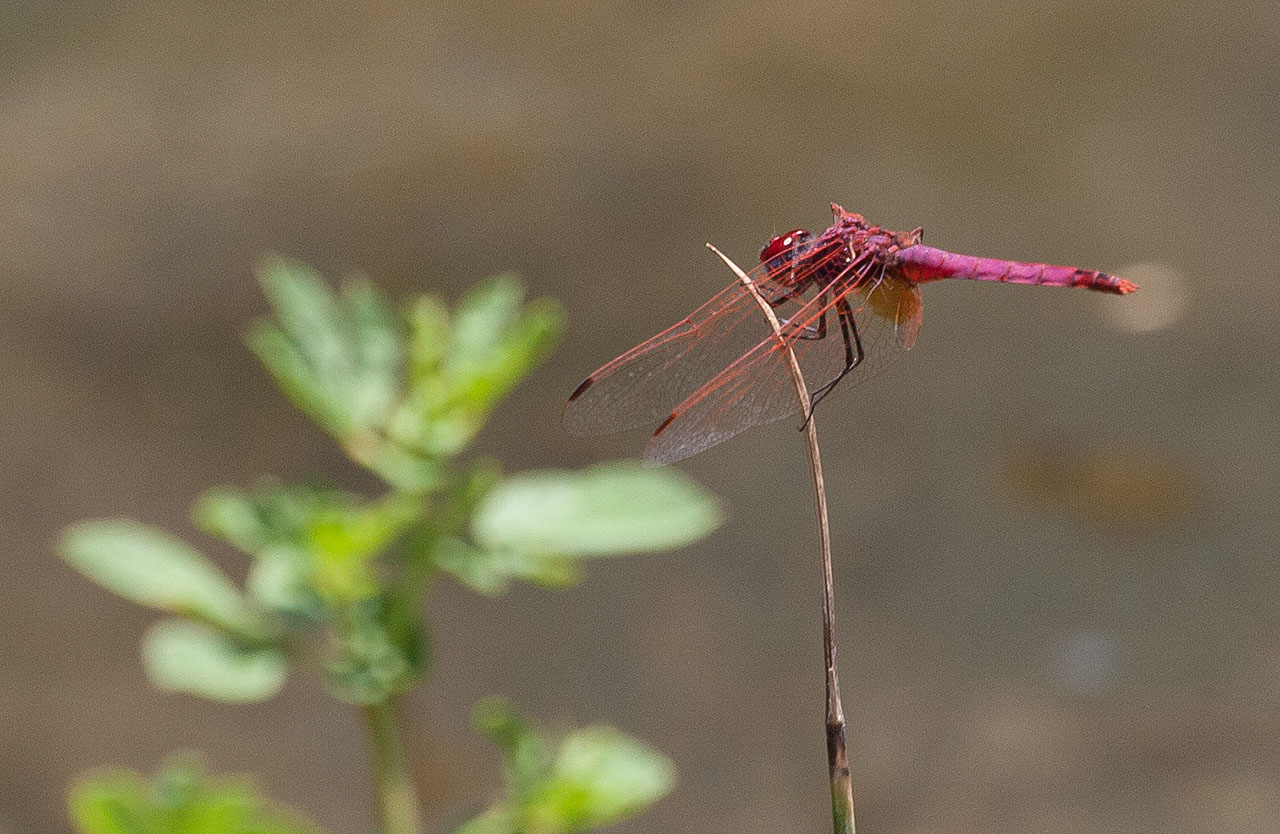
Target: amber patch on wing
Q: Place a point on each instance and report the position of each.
(898, 302)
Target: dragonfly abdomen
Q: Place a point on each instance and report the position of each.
(925, 263)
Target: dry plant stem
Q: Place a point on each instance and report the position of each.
(837, 747)
(397, 800)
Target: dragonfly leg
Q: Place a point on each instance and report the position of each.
(779, 299)
(782, 298)
(808, 331)
(853, 353)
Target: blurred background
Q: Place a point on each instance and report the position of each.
(1055, 520)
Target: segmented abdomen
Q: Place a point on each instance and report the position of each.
(925, 263)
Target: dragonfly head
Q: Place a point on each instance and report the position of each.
(782, 243)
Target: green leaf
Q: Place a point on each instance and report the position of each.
(328, 538)
(493, 336)
(180, 800)
(526, 754)
(280, 582)
(152, 568)
(490, 572)
(373, 343)
(600, 777)
(183, 656)
(271, 514)
(341, 358)
(114, 803)
(428, 335)
(345, 532)
(462, 366)
(368, 664)
(496, 820)
(594, 777)
(306, 309)
(410, 637)
(344, 538)
(495, 342)
(336, 356)
(602, 511)
(403, 468)
(232, 514)
(452, 512)
(311, 390)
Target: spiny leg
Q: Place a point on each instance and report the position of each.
(782, 297)
(853, 353)
(808, 331)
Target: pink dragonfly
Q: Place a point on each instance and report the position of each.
(848, 300)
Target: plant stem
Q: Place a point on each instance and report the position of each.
(397, 800)
(837, 746)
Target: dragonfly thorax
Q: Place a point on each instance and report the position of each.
(800, 259)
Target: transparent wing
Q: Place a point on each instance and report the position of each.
(643, 385)
(758, 389)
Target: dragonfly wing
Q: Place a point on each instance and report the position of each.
(643, 385)
(751, 392)
(758, 388)
(889, 312)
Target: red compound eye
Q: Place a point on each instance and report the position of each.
(782, 243)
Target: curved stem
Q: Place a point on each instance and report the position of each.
(397, 800)
(837, 745)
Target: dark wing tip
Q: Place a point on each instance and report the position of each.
(582, 386)
(665, 423)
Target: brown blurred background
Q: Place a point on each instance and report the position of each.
(1056, 520)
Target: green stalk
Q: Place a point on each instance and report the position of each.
(397, 800)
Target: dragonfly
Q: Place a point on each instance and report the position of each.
(848, 303)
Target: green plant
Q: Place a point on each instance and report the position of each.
(181, 798)
(338, 582)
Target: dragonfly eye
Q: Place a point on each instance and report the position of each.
(782, 243)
